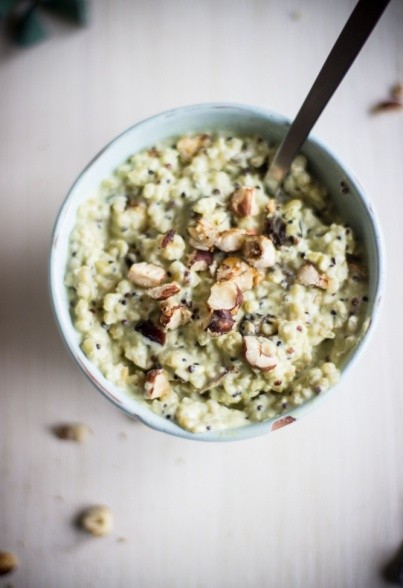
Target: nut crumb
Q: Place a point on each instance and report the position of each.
(8, 562)
(242, 201)
(188, 147)
(168, 238)
(72, 432)
(397, 92)
(146, 275)
(259, 354)
(391, 104)
(308, 275)
(225, 296)
(156, 384)
(97, 520)
(164, 292)
(174, 316)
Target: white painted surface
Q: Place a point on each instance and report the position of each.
(318, 504)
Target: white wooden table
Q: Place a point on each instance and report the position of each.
(318, 504)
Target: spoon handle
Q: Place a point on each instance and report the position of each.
(352, 38)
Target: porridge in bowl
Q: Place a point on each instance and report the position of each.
(204, 297)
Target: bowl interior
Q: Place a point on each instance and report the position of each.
(236, 119)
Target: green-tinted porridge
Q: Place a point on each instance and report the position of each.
(204, 297)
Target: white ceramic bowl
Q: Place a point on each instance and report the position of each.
(354, 207)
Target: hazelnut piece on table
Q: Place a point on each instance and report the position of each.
(8, 562)
(72, 432)
(97, 520)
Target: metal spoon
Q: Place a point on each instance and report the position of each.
(352, 38)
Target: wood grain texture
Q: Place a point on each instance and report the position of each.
(318, 504)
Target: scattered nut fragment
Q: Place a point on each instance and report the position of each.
(225, 296)
(146, 275)
(308, 275)
(174, 316)
(203, 235)
(189, 146)
(392, 104)
(148, 329)
(167, 238)
(156, 384)
(8, 562)
(97, 520)
(200, 260)
(221, 322)
(238, 271)
(259, 251)
(258, 353)
(230, 240)
(164, 292)
(242, 201)
(72, 432)
(397, 92)
(387, 106)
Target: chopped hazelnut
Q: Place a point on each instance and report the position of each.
(221, 322)
(164, 292)
(148, 329)
(259, 251)
(146, 275)
(230, 240)
(200, 260)
(203, 235)
(387, 106)
(72, 432)
(235, 270)
(97, 520)
(189, 146)
(8, 562)
(156, 384)
(308, 275)
(258, 353)
(242, 201)
(167, 238)
(174, 316)
(225, 296)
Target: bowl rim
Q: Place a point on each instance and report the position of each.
(153, 420)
